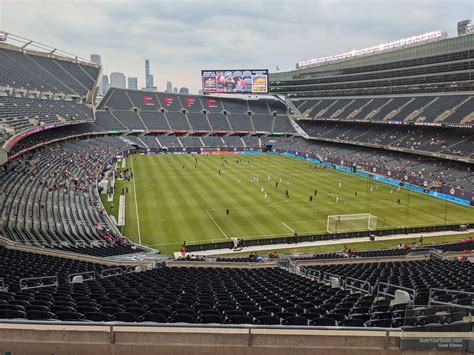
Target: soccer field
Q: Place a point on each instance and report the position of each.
(174, 198)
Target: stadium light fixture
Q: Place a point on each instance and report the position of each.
(405, 42)
(3, 36)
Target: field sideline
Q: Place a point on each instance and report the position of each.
(172, 198)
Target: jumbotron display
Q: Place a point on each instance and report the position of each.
(253, 81)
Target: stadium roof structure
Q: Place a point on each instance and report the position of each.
(370, 56)
(11, 40)
(402, 43)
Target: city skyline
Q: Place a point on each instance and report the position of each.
(117, 80)
(132, 83)
(104, 81)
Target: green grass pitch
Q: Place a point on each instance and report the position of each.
(171, 198)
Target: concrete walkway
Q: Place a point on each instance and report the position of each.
(266, 248)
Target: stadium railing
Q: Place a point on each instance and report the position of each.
(323, 236)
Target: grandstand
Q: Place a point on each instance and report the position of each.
(401, 119)
(126, 110)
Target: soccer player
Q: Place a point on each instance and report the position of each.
(315, 192)
(287, 194)
(227, 211)
(398, 201)
(276, 184)
(219, 173)
(340, 184)
(310, 198)
(337, 198)
(355, 194)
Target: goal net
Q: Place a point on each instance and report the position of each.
(351, 222)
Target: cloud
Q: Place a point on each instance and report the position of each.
(181, 37)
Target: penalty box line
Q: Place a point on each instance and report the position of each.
(285, 202)
(217, 224)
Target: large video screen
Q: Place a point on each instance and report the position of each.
(250, 81)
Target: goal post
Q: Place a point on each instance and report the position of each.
(351, 222)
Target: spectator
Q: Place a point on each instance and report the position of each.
(182, 250)
(273, 255)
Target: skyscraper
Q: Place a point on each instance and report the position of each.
(148, 77)
(117, 80)
(132, 82)
(105, 84)
(169, 87)
(175, 90)
(184, 90)
(95, 58)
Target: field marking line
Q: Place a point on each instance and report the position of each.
(260, 206)
(136, 204)
(212, 218)
(287, 227)
(414, 210)
(311, 220)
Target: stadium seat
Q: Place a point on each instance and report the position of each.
(295, 321)
(97, 317)
(39, 315)
(239, 319)
(212, 318)
(154, 317)
(351, 323)
(69, 316)
(323, 322)
(380, 323)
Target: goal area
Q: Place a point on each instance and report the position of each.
(351, 222)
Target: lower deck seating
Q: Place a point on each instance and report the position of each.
(270, 296)
(417, 275)
(464, 245)
(453, 141)
(50, 198)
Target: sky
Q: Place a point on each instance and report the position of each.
(181, 37)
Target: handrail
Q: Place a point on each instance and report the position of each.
(116, 271)
(325, 279)
(86, 276)
(396, 287)
(43, 282)
(291, 266)
(130, 270)
(431, 301)
(313, 273)
(350, 285)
